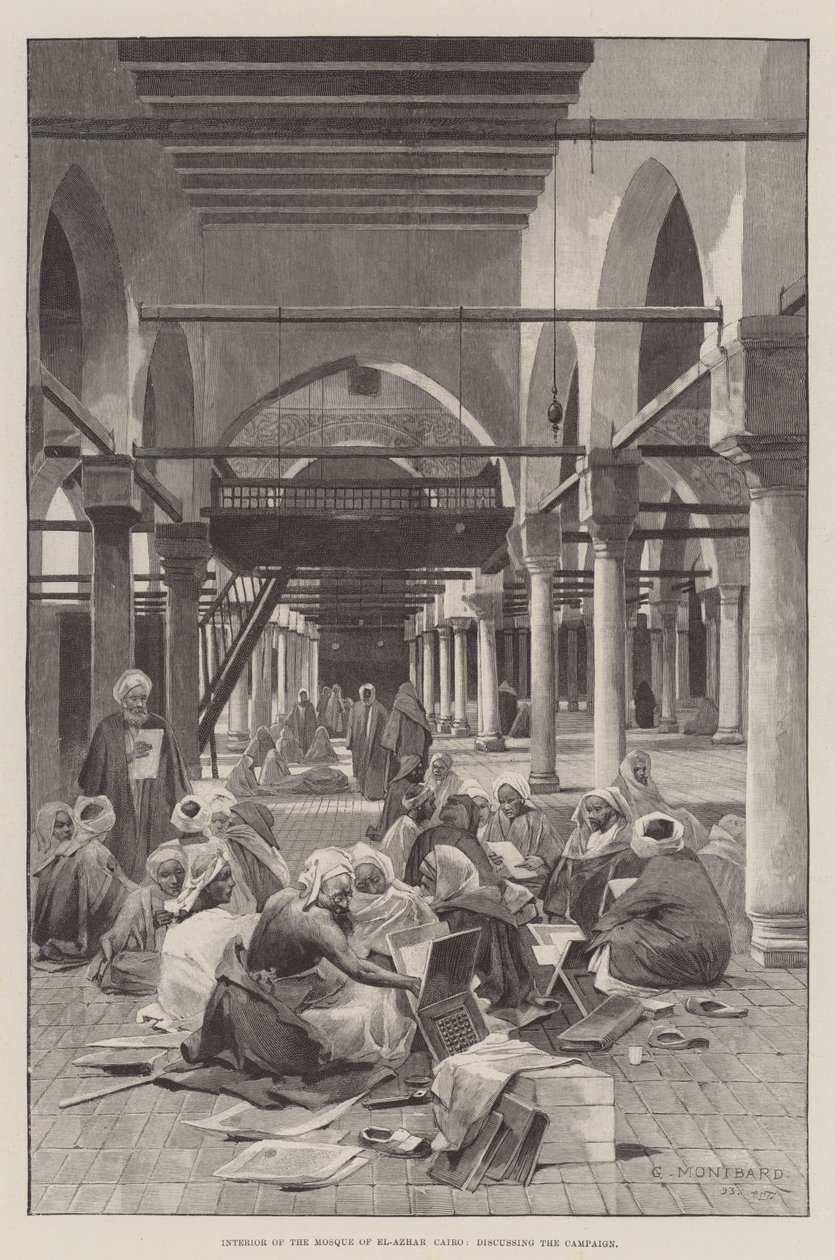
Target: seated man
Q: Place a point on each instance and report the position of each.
(80, 886)
(517, 820)
(381, 904)
(196, 940)
(397, 843)
(128, 958)
(598, 850)
(638, 788)
(300, 996)
(410, 772)
(669, 930)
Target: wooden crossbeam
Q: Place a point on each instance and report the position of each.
(354, 452)
(670, 450)
(697, 509)
(78, 415)
(656, 407)
(80, 527)
(203, 313)
(638, 535)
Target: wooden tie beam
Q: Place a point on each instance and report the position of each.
(203, 313)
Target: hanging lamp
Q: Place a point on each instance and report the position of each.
(335, 644)
(460, 527)
(555, 411)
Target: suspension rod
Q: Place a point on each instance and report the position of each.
(203, 313)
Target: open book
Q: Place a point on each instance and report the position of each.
(511, 859)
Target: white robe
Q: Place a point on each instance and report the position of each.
(397, 843)
(189, 959)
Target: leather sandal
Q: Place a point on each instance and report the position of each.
(399, 1142)
(714, 1009)
(672, 1039)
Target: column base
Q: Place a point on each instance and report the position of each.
(573, 706)
(541, 784)
(444, 727)
(490, 744)
(668, 726)
(779, 940)
(461, 729)
(237, 741)
(728, 736)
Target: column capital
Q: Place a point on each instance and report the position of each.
(444, 630)
(460, 625)
(609, 498)
(668, 613)
(184, 551)
(729, 595)
(770, 463)
(540, 538)
(485, 605)
(107, 483)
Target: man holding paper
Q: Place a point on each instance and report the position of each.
(134, 761)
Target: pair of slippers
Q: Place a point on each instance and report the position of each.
(669, 1038)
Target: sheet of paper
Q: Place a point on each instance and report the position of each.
(269, 1122)
(288, 1162)
(510, 856)
(556, 935)
(147, 767)
(617, 887)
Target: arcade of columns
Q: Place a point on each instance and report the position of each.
(758, 422)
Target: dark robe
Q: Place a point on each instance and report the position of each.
(669, 930)
(408, 731)
(576, 886)
(105, 773)
(508, 707)
(462, 838)
(250, 1027)
(81, 890)
(501, 966)
(644, 706)
(301, 722)
(521, 728)
(399, 786)
(705, 721)
(367, 751)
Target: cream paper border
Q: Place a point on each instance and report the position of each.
(129, 1237)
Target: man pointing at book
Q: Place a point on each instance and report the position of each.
(134, 761)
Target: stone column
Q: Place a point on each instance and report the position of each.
(541, 542)
(668, 721)
(524, 688)
(683, 651)
(112, 503)
(730, 696)
(460, 625)
(759, 422)
(589, 623)
(411, 639)
(281, 670)
(608, 507)
(419, 662)
(571, 644)
(656, 643)
(445, 671)
(184, 551)
(262, 680)
(429, 701)
(709, 600)
(629, 672)
(314, 662)
(237, 715)
(509, 670)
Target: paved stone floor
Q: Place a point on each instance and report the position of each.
(720, 1131)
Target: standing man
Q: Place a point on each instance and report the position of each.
(301, 721)
(408, 731)
(134, 761)
(365, 729)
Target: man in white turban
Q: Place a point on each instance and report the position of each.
(134, 761)
(300, 995)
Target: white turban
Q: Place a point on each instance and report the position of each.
(512, 780)
(205, 862)
(322, 865)
(181, 821)
(646, 846)
(475, 791)
(103, 822)
(130, 679)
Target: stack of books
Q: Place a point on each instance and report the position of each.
(506, 1149)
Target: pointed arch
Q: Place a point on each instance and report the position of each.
(629, 268)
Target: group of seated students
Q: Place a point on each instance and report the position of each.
(271, 976)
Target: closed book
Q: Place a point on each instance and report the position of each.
(464, 1169)
(523, 1166)
(517, 1118)
(601, 1029)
